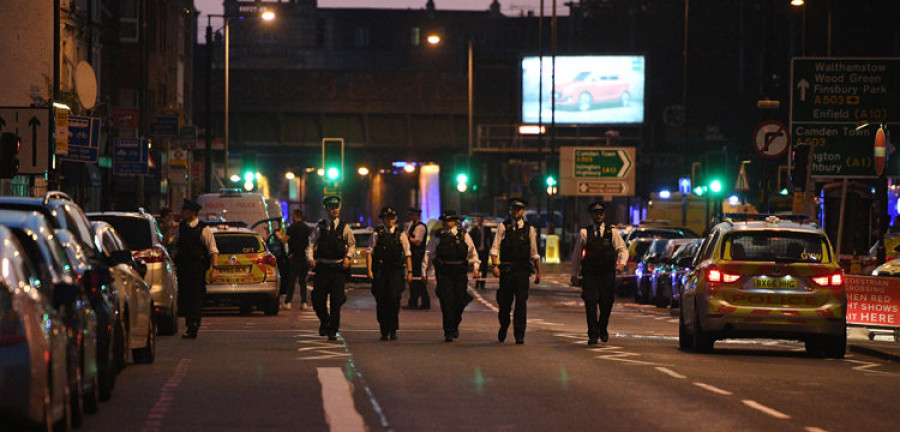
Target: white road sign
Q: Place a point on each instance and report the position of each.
(33, 126)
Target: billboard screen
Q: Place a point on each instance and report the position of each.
(588, 90)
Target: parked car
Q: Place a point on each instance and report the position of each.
(664, 272)
(61, 212)
(144, 239)
(103, 301)
(682, 263)
(769, 278)
(888, 269)
(133, 292)
(651, 231)
(646, 266)
(626, 281)
(589, 88)
(33, 346)
(54, 274)
(247, 272)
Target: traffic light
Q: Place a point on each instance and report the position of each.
(248, 170)
(333, 159)
(551, 185)
(9, 155)
(462, 182)
(716, 172)
(799, 166)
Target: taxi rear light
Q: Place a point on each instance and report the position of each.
(716, 275)
(156, 254)
(834, 280)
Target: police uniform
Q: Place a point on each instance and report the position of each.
(603, 249)
(450, 252)
(329, 244)
(516, 245)
(388, 255)
(417, 290)
(196, 247)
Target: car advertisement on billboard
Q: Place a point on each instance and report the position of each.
(588, 90)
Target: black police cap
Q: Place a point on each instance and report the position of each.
(597, 207)
(449, 215)
(387, 212)
(191, 205)
(518, 202)
(332, 200)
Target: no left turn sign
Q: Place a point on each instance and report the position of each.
(771, 139)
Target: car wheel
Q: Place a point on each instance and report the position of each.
(585, 101)
(147, 354)
(90, 397)
(836, 347)
(703, 342)
(75, 405)
(270, 307)
(168, 324)
(685, 341)
(106, 371)
(120, 345)
(625, 99)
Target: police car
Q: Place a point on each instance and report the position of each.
(769, 278)
(248, 273)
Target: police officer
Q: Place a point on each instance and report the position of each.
(388, 253)
(450, 252)
(516, 244)
(196, 250)
(481, 237)
(331, 245)
(604, 253)
(297, 239)
(416, 232)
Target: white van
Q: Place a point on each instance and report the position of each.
(232, 205)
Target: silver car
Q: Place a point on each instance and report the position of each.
(144, 238)
(33, 345)
(134, 293)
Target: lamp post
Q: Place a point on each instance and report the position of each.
(266, 15)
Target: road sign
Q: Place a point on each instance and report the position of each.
(84, 139)
(33, 126)
(164, 126)
(829, 97)
(130, 156)
(187, 137)
(770, 139)
(741, 184)
(593, 171)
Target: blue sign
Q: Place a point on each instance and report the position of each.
(130, 156)
(164, 126)
(84, 139)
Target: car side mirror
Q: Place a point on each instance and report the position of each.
(65, 293)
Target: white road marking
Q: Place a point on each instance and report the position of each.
(340, 411)
(771, 412)
(815, 429)
(671, 373)
(866, 366)
(714, 389)
(153, 421)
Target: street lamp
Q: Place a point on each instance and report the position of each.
(266, 15)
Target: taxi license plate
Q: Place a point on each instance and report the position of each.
(234, 270)
(775, 283)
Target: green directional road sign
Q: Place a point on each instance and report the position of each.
(830, 97)
(596, 171)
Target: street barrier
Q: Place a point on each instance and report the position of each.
(873, 301)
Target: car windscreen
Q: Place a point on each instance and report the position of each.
(239, 244)
(779, 246)
(362, 240)
(669, 234)
(134, 231)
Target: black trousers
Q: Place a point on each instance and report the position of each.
(298, 271)
(514, 285)
(387, 287)
(598, 291)
(452, 291)
(191, 294)
(329, 284)
(417, 289)
(485, 267)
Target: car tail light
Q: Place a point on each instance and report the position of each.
(156, 254)
(716, 275)
(834, 280)
(11, 330)
(267, 259)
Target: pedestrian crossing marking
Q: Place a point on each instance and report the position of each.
(315, 348)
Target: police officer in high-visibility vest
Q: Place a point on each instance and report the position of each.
(604, 253)
(197, 251)
(515, 257)
(331, 245)
(389, 262)
(450, 252)
(416, 231)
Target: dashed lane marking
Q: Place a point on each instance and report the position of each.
(766, 410)
(815, 429)
(713, 389)
(670, 373)
(337, 398)
(154, 419)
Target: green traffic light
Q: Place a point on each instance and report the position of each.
(333, 173)
(698, 191)
(462, 178)
(715, 186)
(551, 181)
(783, 191)
(249, 176)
